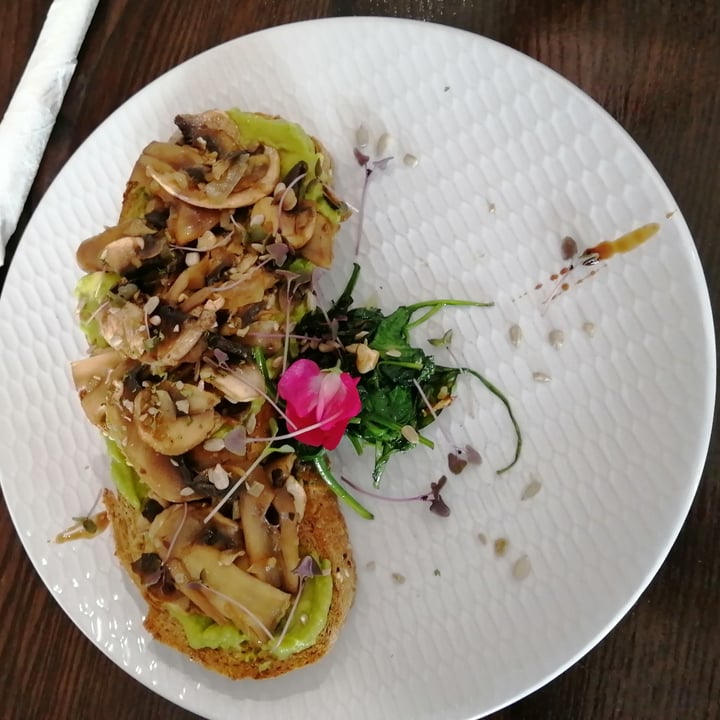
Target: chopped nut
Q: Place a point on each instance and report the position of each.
(367, 359)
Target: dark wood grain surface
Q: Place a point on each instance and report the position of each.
(655, 66)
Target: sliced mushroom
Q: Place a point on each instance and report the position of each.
(171, 420)
(212, 129)
(89, 254)
(319, 249)
(157, 471)
(94, 379)
(187, 222)
(264, 169)
(267, 603)
(123, 254)
(298, 226)
(260, 538)
(289, 541)
(243, 384)
(176, 346)
(264, 214)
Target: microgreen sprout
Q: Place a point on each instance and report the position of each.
(364, 161)
(438, 506)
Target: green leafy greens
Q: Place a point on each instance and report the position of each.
(396, 393)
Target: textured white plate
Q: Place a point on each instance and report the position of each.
(617, 438)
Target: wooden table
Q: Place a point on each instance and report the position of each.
(655, 66)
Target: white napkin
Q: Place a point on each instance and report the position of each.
(30, 116)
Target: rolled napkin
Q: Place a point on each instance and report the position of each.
(30, 116)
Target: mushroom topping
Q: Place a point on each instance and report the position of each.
(174, 347)
(187, 223)
(225, 591)
(159, 472)
(298, 226)
(260, 175)
(319, 249)
(89, 254)
(95, 378)
(213, 130)
(289, 540)
(260, 536)
(242, 384)
(171, 420)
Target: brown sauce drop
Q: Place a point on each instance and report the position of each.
(625, 243)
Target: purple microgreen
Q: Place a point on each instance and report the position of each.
(437, 504)
(221, 358)
(199, 585)
(298, 432)
(278, 251)
(472, 455)
(236, 441)
(456, 464)
(382, 163)
(568, 248)
(361, 157)
(287, 275)
(308, 567)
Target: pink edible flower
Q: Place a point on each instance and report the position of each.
(314, 396)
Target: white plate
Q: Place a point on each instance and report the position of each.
(617, 438)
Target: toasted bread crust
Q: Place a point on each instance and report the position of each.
(322, 531)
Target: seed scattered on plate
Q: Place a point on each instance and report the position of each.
(515, 334)
(362, 137)
(556, 338)
(541, 377)
(482, 538)
(589, 328)
(500, 546)
(521, 567)
(383, 144)
(531, 489)
(491, 208)
(398, 578)
(410, 160)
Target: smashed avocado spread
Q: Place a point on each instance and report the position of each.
(92, 291)
(294, 145)
(306, 624)
(127, 481)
